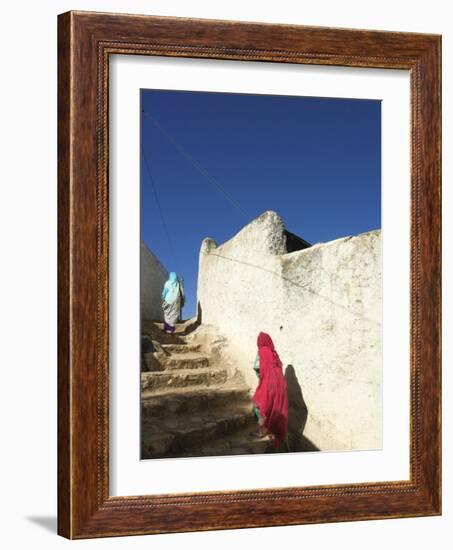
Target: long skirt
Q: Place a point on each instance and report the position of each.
(171, 311)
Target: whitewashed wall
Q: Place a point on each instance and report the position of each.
(322, 307)
(152, 279)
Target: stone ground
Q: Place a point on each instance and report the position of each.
(193, 402)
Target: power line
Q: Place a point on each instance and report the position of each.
(159, 207)
(209, 177)
(294, 283)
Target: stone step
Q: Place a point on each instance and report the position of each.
(188, 400)
(236, 442)
(184, 361)
(163, 338)
(183, 378)
(190, 408)
(175, 435)
(239, 443)
(181, 348)
(246, 444)
(181, 329)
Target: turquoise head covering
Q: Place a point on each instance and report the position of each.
(171, 289)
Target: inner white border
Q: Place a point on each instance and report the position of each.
(128, 474)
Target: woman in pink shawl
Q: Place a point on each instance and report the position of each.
(270, 399)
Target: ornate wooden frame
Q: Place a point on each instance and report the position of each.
(85, 42)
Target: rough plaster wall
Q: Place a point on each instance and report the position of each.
(152, 279)
(322, 307)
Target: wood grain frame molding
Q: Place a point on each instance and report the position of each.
(86, 41)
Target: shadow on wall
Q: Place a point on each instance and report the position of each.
(297, 415)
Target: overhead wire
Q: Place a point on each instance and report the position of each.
(304, 288)
(159, 207)
(221, 189)
(207, 175)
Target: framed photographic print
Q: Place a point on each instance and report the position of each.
(249, 275)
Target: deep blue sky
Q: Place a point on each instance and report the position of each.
(315, 161)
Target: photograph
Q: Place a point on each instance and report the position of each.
(249, 281)
(226, 264)
(260, 274)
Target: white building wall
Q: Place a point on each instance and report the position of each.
(321, 306)
(152, 279)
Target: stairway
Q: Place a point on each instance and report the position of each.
(191, 402)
